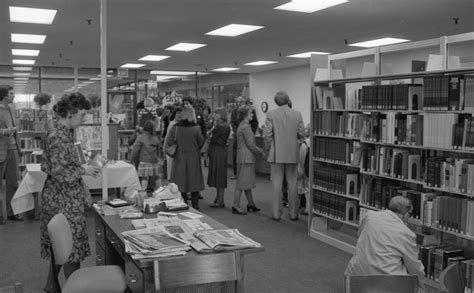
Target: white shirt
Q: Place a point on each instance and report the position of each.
(386, 246)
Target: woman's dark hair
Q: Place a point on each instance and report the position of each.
(4, 89)
(188, 99)
(149, 127)
(70, 104)
(175, 110)
(243, 112)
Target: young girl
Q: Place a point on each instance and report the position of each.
(145, 151)
(148, 113)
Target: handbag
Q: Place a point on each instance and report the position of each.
(170, 150)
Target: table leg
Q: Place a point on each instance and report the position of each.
(37, 198)
(239, 266)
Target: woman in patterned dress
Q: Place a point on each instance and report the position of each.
(64, 191)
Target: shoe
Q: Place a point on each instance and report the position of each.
(285, 204)
(252, 208)
(200, 196)
(15, 218)
(233, 177)
(238, 211)
(2, 221)
(217, 205)
(275, 219)
(303, 212)
(294, 219)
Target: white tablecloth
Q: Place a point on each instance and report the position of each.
(119, 174)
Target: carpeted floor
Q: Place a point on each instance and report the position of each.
(292, 261)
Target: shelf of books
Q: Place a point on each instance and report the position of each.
(397, 120)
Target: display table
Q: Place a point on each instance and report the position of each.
(119, 174)
(193, 272)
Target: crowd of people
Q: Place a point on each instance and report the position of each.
(385, 244)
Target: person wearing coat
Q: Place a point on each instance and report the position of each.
(246, 151)
(283, 127)
(186, 170)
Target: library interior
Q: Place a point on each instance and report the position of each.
(130, 129)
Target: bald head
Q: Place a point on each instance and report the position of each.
(400, 205)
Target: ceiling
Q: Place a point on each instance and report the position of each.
(142, 27)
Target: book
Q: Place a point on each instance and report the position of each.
(117, 202)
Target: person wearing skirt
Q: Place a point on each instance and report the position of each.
(246, 151)
(145, 150)
(217, 176)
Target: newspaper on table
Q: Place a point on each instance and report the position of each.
(227, 239)
(153, 242)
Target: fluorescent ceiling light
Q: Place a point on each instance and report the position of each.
(154, 58)
(307, 54)
(233, 30)
(21, 82)
(132, 65)
(20, 78)
(186, 47)
(21, 52)
(309, 6)
(23, 61)
(95, 78)
(225, 69)
(32, 15)
(378, 42)
(170, 72)
(21, 73)
(28, 39)
(260, 63)
(23, 68)
(88, 82)
(166, 77)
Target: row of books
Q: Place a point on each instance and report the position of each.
(336, 180)
(452, 174)
(31, 119)
(337, 150)
(337, 123)
(30, 143)
(392, 97)
(436, 257)
(463, 132)
(377, 192)
(34, 157)
(335, 207)
(450, 92)
(393, 162)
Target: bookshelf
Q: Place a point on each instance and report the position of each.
(123, 104)
(379, 130)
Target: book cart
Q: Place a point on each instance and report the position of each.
(396, 120)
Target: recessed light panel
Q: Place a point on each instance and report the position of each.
(153, 58)
(132, 65)
(21, 52)
(260, 63)
(170, 72)
(309, 6)
(23, 68)
(163, 78)
(225, 69)
(32, 15)
(28, 38)
(233, 30)
(307, 54)
(186, 47)
(20, 78)
(379, 42)
(21, 73)
(23, 61)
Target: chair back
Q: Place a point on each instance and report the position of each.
(61, 238)
(451, 280)
(381, 284)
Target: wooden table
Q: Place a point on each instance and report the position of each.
(193, 272)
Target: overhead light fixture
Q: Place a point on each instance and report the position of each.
(96, 78)
(307, 54)
(260, 63)
(309, 6)
(132, 65)
(186, 47)
(163, 78)
(23, 68)
(28, 38)
(170, 72)
(225, 69)
(378, 42)
(88, 82)
(32, 15)
(154, 58)
(21, 73)
(20, 78)
(23, 61)
(233, 30)
(21, 52)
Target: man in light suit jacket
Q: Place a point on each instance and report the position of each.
(9, 152)
(283, 127)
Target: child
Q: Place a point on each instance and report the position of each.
(303, 174)
(148, 113)
(145, 151)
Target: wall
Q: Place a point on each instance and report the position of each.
(295, 81)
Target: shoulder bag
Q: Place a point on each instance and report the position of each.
(170, 150)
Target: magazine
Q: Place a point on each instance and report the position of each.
(228, 239)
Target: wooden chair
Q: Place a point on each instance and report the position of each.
(90, 279)
(17, 288)
(451, 280)
(381, 284)
(3, 202)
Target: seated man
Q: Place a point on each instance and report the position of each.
(386, 246)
